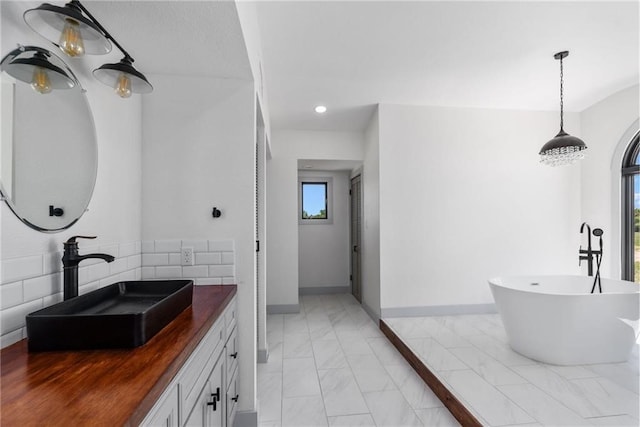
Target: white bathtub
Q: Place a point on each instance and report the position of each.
(555, 319)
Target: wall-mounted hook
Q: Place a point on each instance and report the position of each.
(216, 213)
(55, 211)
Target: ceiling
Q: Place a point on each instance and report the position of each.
(352, 55)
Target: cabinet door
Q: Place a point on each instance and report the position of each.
(165, 412)
(208, 410)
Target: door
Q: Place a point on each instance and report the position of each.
(356, 221)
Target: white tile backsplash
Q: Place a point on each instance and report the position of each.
(214, 261)
(33, 282)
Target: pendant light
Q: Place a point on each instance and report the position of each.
(75, 31)
(563, 149)
(31, 65)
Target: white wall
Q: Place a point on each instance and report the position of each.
(607, 129)
(464, 198)
(287, 146)
(371, 219)
(323, 249)
(198, 152)
(31, 260)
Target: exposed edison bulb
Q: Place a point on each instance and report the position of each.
(40, 81)
(123, 86)
(71, 40)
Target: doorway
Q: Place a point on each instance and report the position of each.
(356, 221)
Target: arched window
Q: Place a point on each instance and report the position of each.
(631, 211)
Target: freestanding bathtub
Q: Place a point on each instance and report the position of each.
(556, 320)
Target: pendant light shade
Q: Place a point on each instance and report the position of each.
(38, 71)
(123, 77)
(68, 28)
(563, 149)
(76, 31)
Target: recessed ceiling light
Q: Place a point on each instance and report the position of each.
(321, 109)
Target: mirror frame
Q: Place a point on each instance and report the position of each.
(3, 193)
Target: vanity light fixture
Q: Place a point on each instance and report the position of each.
(75, 31)
(320, 109)
(31, 65)
(563, 149)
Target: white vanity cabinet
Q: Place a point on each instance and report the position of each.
(199, 395)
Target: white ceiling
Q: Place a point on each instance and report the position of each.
(352, 55)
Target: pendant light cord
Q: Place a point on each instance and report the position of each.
(561, 97)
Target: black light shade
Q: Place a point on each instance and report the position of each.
(109, 74)
(562, 149)
(49, 21)
(23, 68)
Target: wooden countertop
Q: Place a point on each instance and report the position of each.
(103, 387)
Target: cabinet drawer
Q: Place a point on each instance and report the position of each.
(231, 351)
(232, 399)
(165, 411)
(202, 360)
(230, 315)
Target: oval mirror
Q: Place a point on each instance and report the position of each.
(48, 152)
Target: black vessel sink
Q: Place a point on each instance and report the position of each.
(121, 315)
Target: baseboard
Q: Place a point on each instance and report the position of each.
(438, 310)
(263, 355)
(246, 419)
(322, 290)
(283, 308)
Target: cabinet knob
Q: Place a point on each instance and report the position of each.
(234, 355)
(235, 399)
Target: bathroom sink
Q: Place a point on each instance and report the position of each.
(121, 315)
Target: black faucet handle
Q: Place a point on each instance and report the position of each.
(73, 239)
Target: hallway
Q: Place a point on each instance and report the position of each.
(330, 365)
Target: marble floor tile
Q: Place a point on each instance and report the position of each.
(571, 372)
(434, 355)
(341, 393)
(297, 346)
(499, 351)
(369, 373)
(353, 342)
(299, 378)
(329, 355)
(270, 423)
(437, 417)
(615, 421)
(541, 406)
(303, 412)
(295, 324)
(609, 397)
(491, 370)
(270, 396)
(411, 327)
(486, 400)
(385, 351)
(390, 409)
(412, 387)
(362, 420)
(564, 391)
(623, 374)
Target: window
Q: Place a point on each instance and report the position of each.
(315, 200)
(631, 212)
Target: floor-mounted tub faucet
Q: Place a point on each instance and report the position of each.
(589, 254)
(70, 261)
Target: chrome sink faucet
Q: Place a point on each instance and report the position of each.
(70, 261)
